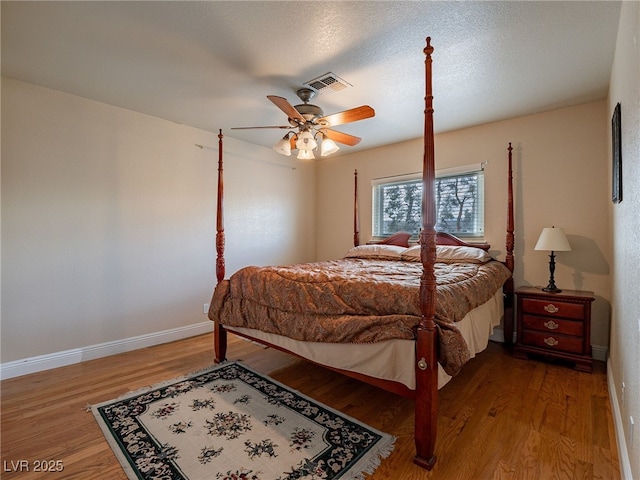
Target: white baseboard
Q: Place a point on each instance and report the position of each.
(623, 454)
(497, 335)
(69, 357)
(599, 352)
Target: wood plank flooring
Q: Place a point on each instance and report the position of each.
(501, 418)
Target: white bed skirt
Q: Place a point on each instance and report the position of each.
(391, 359)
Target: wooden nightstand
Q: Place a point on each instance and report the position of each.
(555, 325)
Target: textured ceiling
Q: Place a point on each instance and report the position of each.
(211, 64)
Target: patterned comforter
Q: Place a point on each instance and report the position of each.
(356, 300)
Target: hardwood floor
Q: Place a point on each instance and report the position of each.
(501, 418)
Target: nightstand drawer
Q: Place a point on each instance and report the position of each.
(553, 308)
(552, 342)
(553, 325)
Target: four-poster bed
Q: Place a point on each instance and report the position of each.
(376, 315)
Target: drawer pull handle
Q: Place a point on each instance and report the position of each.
(552, 342)
(551, 308)
(551, 325)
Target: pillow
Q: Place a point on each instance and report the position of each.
(411, 254)
(401, 239)
(380, 252)
(455, 254)
(449, 254)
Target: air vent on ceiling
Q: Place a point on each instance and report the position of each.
(328, 83)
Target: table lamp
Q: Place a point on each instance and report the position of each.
(553, 240)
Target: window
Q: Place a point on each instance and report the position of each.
(397, 203)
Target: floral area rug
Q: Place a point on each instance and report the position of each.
(231, 422)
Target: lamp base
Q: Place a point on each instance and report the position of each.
(551, 286)
(552, 289)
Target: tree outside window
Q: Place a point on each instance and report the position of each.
(459, 206)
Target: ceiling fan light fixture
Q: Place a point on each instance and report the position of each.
(306, 141)
(305, 155)
(309, 127)
(327, 147)
(283, 147)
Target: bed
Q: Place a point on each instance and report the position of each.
(404, 318)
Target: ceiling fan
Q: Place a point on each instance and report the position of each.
(308, 124)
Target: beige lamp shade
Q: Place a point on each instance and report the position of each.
(554, 240)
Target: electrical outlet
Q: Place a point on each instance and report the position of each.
(622, 394)
(205, 310)
(631, 425)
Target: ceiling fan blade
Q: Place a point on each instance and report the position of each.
(341, 137)
(288, 127)
(348, 116)
(286, 107)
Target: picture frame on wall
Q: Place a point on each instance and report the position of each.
(616, 158)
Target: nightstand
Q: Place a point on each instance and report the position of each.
(555, 325)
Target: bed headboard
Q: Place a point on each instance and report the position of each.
(444, 238)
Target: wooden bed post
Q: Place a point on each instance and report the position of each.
(509, 260)
(426, 394)
(220, 334)
(356, 213)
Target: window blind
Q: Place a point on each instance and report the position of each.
(459, 191)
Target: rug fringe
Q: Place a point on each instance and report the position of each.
(382, 451)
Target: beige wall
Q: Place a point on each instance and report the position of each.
(560, 170)
(108, 220)
(624, 365)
